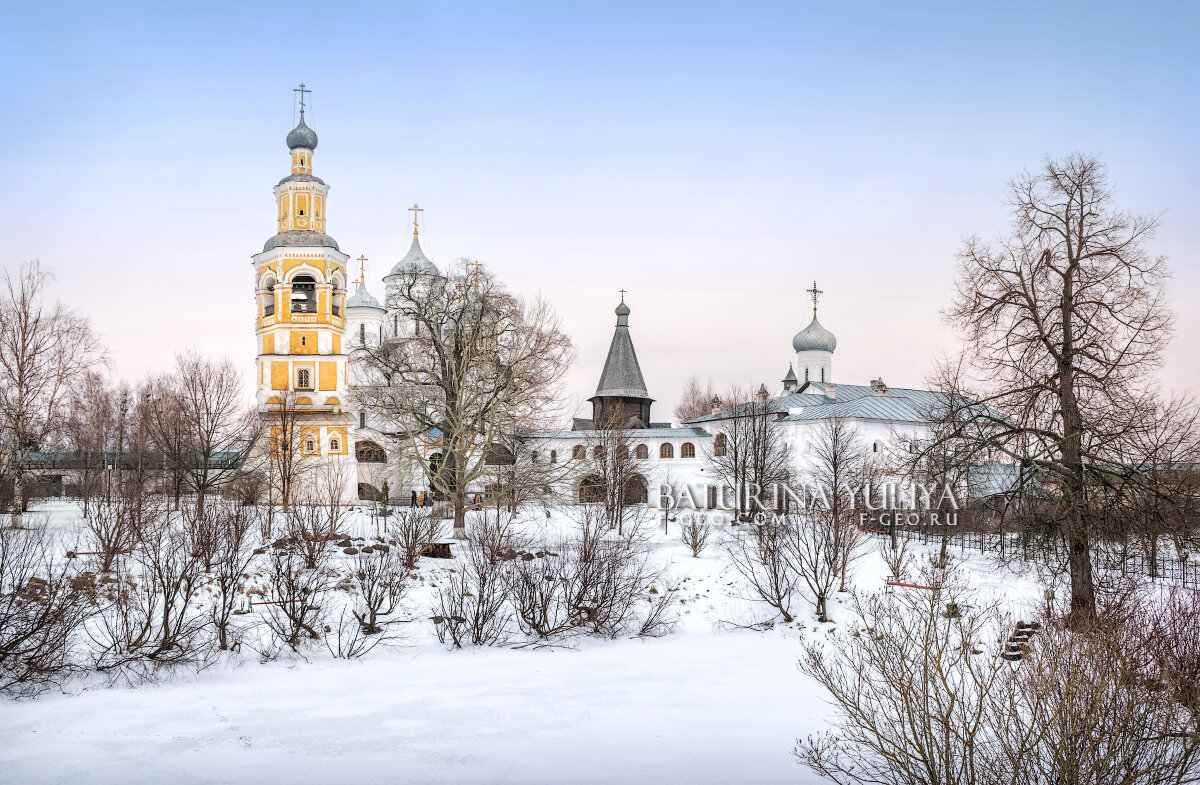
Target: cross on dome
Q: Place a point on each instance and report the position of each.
(416, 210)
(816, 295)
(301, 90)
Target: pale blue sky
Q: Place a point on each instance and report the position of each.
(713, 159)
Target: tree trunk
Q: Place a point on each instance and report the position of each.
(18, 497)
(460, 516)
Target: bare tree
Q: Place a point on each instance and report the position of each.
(478, 364)
(45, 351)
(286, 460)
(695, 400)
(614, 474)
(1063, 321)
(471, 606)
(88, 433)
(838, 466)
(750, 455)
(168, 433)
(816, 550)
(761, 554)
(216, 424)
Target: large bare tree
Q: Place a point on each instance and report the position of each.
(1063, 321)
(45, 350)
(217, 425)
(473, 364)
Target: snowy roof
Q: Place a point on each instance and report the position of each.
(301, 237)
(415, 262)
(853, 401)
(634, 434)
(362, 298)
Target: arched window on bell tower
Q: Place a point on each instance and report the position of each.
(266, 297)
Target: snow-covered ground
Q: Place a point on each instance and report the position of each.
(704, 704)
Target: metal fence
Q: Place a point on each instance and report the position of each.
(1113, 559)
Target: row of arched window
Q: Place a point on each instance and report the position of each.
(665, 450)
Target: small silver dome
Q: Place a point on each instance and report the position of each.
(814, 338)
(415, 263)
(362, 298)
(302, 136)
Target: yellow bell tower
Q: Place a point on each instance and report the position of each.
(300, 290)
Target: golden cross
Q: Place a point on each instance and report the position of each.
(416, 210)
(476, 264)
(816, 295)
(362, 269)
(301, 91)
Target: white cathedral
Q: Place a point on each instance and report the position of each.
(308, 326)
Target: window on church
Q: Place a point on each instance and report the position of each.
(688, 450)
(641, 451)
(806, 376)
(875, 447)
(303, 340)
(533, 456)
(578, 453)
(310, 445)
(304, 379)
(822, 376)
(554, 456)
(597, 452)
(719, 445)
(666, 451)
(362, 419)
(335, 445)
(362, 333)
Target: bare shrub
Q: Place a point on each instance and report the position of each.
(146, 623)
(230, 561)
(380, 581)
(921, 696)
(309, 531)
(410, 529)
(895, 554)
(472, 605)
(43, 602)
(911, 692)
(694, 533)
(1087, 709)
(295, 606)
(113, 525)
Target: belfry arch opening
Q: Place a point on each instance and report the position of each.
(304, 294)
